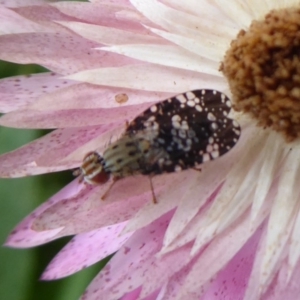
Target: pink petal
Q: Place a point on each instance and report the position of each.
(72, 145)
(50, 152)
(134, 295)
(86, 249)
(176, 186)
(117, 277)
(190, 231)
(11, 23)
(163, 268)
(18, 3)
(111, 36)
(103, 13)
(19, 91)
(124, 200)
(114, 2)
(255, 288)
(44, 15)
(232, 281)
(223, 248)
(74, 97)
(23, 236)
(61, 52)
(70, 118)
(280, 288)
(152, 296)
(111, 213)
(199, 193)
(175, 283)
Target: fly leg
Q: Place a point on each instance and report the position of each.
(109, 188)
(152, 191)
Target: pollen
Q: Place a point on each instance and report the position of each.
(262, 67)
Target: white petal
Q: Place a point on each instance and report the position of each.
(151, 78)
(282, 217)
(206, 183)
(287, 3)
(237, 11)
(168, 55)
(179, 22)
(244, 196)
(273, 152)
(198, 225)
(205, 9)
(259, 8)
(213, 49)
(229, 196)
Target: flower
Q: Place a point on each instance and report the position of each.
(230, 231)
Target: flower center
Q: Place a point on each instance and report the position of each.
(263, 70)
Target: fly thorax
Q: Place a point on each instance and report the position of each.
(122, 158)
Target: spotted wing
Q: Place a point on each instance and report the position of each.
(185, 131)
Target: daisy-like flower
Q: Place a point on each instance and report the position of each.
(228, 232)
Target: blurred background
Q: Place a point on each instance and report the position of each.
(20, 269)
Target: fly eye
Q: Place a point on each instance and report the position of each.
(89, 155)
(92, 156)
(99, 178)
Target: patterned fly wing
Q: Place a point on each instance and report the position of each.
(185, 131)
(172, 135)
